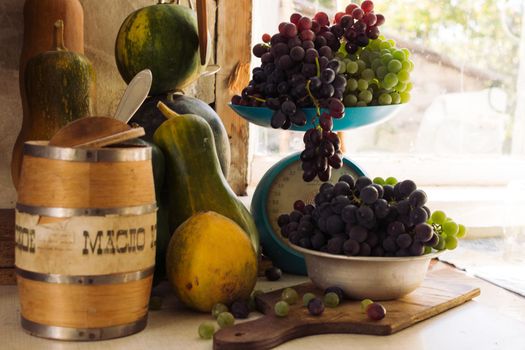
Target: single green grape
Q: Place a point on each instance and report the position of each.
(365, 303)
(391, 181)
(307, 297)
(351, 85)
(225, 319)
(451, 242)
(365, 96)
(342, 68)
(400, 87)
(379, 180)
(368, 74)
(362, 84)
(409, 87)
(331, 299)
(386, 58)
(252, 306)
(361, 65)
(390, 80)
(155, 303)
(251, 302)
(403, 75)
(385, 99)
(450, 228)
(394, 66)
(206, 330)
(405, 97)
(407, 52)
(441, 244)
(438, 217)
(391, 42)
(400, 55)
(217, 309)
(352, 67)
(365, 56)
(381, 72)
(374, 44)
(411, 65)
(257, 292)
(361, 104)
(406, 65)
(376, 63)
(396, 98)
(462, 231)
(427, 250)
(281, 308)
(385, 45)
(350, 100)
(290, 296)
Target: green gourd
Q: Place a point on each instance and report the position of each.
(60, 87)
(194, 178)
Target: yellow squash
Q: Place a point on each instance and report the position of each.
(210, 260)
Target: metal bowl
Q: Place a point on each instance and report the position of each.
(355, 117)
(360, 277)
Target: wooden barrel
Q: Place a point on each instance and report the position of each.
(85, 241)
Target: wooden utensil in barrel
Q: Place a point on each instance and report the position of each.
(203, 29)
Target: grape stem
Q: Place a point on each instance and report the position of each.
(318, 66)
(257, 98)
(316, 103)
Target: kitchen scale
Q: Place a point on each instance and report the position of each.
(283, 184)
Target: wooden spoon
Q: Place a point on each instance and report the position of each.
(203, 29)
(94, 132)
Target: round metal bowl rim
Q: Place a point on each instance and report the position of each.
(362, 258)
(314, 108)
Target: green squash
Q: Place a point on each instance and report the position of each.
(60, 87)
(194, 178)
(161, 196)
(163, 38)
(150, 118)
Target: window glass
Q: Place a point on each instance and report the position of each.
(467, 112)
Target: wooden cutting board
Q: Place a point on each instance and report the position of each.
(442, 290)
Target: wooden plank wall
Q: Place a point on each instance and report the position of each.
(7, 246)
(234, 30)
(231, 25)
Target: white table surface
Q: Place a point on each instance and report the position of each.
(493, 320)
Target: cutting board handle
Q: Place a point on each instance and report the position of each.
(263, 333)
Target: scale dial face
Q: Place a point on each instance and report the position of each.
(288, 186)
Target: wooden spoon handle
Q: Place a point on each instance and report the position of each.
(203, 29)
(112, 139)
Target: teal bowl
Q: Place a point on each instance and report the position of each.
(355, 117)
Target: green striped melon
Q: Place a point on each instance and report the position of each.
(163, 38)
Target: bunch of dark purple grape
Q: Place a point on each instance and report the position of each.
(322, 151)
(359, 217)
(298, 70)
(358, 25)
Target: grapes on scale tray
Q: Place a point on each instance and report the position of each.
(361, 217)
(327, 65)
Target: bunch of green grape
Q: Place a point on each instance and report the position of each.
(378, 74)
(447, 230)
